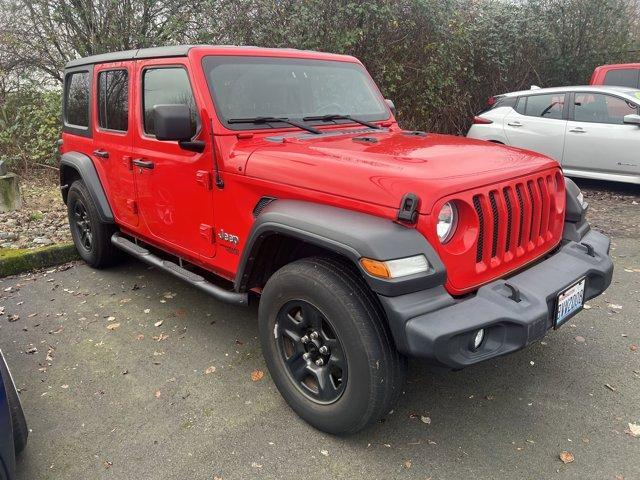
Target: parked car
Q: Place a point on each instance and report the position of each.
(620, 75)
(593, 132)
(13, 426)
(283, 174)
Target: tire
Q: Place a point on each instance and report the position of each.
(91, 237)
(361, 375)
(18, 420)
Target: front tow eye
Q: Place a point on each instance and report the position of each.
(408, 211)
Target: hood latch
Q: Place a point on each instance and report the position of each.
(408, 211)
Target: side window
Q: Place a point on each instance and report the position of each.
(601, 108)
(545, 106)
(113, 100)
(166, 86)
(77, 99)
(627, 77)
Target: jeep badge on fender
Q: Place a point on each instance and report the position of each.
(364, 243)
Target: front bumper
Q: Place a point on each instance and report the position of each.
(435, 326)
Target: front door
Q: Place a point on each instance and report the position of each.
(537, 123)
(597, 138)
(175, 191)
(113, 137)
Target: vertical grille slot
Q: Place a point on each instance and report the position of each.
(507, 201)
(496, 223)
(532, 201)
(521, 204)
(480, 245)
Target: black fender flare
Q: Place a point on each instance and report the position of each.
(348, 233)
(83, 165)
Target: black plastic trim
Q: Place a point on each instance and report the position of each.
(87, 171)
(351, 234)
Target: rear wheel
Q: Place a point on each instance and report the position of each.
(327, 346)
(91, 237)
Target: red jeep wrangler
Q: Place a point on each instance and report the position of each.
(283, 174)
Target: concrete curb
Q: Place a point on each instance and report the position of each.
(13, 262)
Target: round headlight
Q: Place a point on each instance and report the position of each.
(447, 220)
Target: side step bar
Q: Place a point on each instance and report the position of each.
(176, 270)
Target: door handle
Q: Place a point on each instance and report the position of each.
(578, 130)
(101, 153)
(514, 124)
(142, 163)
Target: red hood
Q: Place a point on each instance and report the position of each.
(382, 171)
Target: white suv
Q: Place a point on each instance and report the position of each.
(592, 131)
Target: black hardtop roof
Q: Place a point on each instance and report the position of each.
(142, 53)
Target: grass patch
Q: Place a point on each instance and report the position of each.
(15, 260)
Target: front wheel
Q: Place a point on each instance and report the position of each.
(327, 346)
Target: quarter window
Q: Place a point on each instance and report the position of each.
(166, 86)
(601, 108)
(545, 106)
(77, 99)
(113, 100)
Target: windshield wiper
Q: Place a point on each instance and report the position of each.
(261, 120)
(335, 116)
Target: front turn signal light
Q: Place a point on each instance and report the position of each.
(401, 267)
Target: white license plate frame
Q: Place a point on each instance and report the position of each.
(569, 302)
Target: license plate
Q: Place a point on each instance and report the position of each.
(569, 302)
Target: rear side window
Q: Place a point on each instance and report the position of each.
(543, 106)
(77, 99)
(602, 108)
(627, 77)
(166, 86)
(113, 100)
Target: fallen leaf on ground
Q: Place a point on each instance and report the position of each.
(161, 337)
(140, 336)
(566, 457)
(110, 319)
(113, 326)
(634, 348)
(610, 387)
(13, 318)
(633, 430)
(50, 354)
(426, 420)
(1, 310)
(580, 339)
(210, 370)
(158, 323)
(65, 386)
(407, 464)
(257, 375)
(324, 452)
(157, 394)
(147, 310)
(615, 307)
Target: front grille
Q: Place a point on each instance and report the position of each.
(504, 234)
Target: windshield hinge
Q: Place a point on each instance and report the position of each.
(408, 211)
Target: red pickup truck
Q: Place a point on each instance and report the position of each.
(619, 75)
(282, 175)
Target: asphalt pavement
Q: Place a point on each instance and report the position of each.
(128, 373)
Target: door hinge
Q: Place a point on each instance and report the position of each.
(126, 159)
(206, 231)
(204, 178)
(133, 206)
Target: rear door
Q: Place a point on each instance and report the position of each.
(597, 139)
(175, 191)
(113, 137)
(538, 123)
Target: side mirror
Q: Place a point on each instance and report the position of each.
(632, 119)
(392, 106)
(172, 122)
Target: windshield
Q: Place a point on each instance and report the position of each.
(251, 87)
